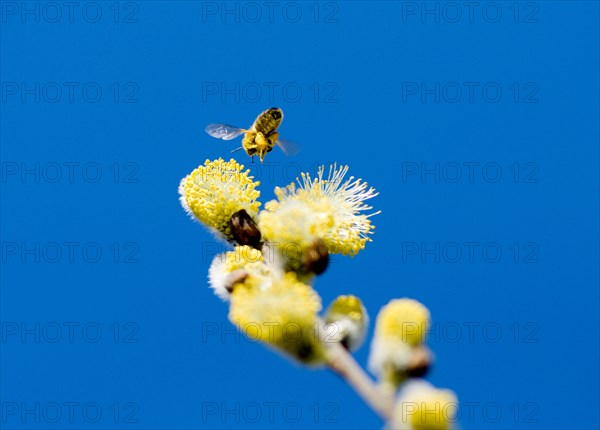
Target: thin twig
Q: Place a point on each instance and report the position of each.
(342, 363)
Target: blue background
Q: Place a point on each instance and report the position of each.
(532, 355)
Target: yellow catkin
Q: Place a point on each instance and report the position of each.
(405, 320)
(327, 208)
(216, 190)
(283, 316)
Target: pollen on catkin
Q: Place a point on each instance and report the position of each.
(213, 192)
(326, 207)
(400, 330)
(406, 320)
(421, 406)
(242, 265)
(347, 321)
(283, 316)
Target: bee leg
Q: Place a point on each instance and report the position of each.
(252, 158)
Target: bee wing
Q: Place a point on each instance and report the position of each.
(288, 148)
(224, 131)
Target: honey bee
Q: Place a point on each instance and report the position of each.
(260, 138)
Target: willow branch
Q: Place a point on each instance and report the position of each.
(341, 362)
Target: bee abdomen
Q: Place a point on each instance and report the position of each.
(268, 121)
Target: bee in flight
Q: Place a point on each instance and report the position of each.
(260, 138)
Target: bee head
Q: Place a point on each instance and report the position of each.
(261, 142)
(276, 113)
